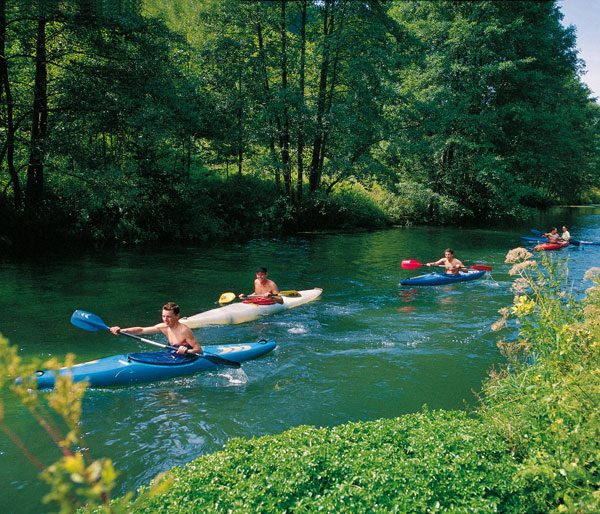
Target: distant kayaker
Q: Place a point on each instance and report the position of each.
(452, 264)
(179, 335)
(264, 286)
(552, 236)
(566, 236)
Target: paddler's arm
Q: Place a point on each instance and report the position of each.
(190, 340)
(436, 263)
(138, 330)
(276, 296)
(274, 293)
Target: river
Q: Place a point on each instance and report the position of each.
(367, 349)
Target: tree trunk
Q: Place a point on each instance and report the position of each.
(318, 143)
(8, 148)
(284, 138)
(240, 121)
(300, 178)
(263, 60)
(35, 169)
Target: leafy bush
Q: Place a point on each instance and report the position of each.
(348, 206)
(426, 462)
(545, 402)
(412, 202)
(77, 481)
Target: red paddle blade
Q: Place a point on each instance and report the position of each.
(409, 264)
(482, 268)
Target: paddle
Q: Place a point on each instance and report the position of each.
(410, 264)
(92, 323)
(229, 297)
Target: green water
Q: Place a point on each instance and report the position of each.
(367, 349)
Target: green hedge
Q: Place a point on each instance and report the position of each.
(425, 462)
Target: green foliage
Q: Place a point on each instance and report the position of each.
(546, 401)
(411, 202)
(76, 480)
(349, 206)
(427, 462)
(457, 110)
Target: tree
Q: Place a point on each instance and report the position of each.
(489, 104)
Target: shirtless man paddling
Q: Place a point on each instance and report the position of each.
(179, 335)
(264, 287)
(453, 265)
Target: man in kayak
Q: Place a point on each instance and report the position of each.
(264, 287)
(566, 236)
(552, 236)
(453, 265)
(179, 335)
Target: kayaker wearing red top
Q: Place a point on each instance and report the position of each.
(180, 336)
(452, 264)
(264, 287)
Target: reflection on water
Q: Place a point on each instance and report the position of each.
(366, 350)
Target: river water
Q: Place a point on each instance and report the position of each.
(368, 349)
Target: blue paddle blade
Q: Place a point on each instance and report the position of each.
(88, 321)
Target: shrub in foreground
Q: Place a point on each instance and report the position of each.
(546, 401)
(425, 462)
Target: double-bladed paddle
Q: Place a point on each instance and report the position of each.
(410, 264)
(93, 323)
(229, 297)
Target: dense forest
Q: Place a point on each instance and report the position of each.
(130, 121)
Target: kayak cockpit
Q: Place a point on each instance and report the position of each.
(164, 358)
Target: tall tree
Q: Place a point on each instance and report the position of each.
(488, 101)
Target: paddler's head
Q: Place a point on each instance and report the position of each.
(261, 273)
(170, 313)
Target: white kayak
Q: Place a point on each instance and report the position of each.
(235, 313)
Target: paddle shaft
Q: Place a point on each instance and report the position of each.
(93, 323)
(155, 343)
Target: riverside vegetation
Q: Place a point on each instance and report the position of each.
(531, 445)
(141, 121)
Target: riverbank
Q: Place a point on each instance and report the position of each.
(215, 209)
(531, 448)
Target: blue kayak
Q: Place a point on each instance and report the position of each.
(133, 368)
(436, 279)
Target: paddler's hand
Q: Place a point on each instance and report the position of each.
(182, 349)
(428, 265)
(115, 330)
(242, 296)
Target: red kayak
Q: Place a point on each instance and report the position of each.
(551, 246)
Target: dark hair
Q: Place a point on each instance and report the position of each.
(171, 306)
(449, 250)
(261, 269)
